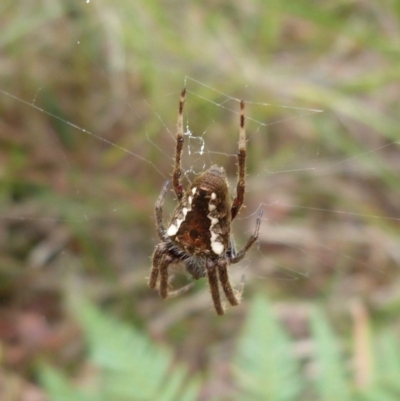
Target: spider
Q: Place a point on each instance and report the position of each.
(199, 233)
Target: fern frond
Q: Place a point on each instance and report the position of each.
(388, 350)
(332, 382)
(130, 366)
(58, 387)
(264, 365)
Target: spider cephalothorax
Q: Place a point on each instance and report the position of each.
(199, 234)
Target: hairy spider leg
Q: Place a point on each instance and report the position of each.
(180, 291)
(176, 175)
(241, 163)
(214, 288)
(159, 213)
(159, 252)
(166, 260)
(156, 258)
(242, 253)
(226, 285)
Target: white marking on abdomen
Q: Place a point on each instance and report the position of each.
(174, 227)
(216, 246)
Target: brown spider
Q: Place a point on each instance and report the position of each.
(199, 232)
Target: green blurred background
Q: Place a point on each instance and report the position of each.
(88, 104)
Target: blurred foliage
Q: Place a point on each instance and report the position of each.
(88, 104)
(265, 366)
(128, 366)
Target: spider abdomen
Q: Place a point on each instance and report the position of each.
(201, 223)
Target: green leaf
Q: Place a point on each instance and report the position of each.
(377, 394)
(389, 358)
(58, 388)
(332, 379)
(130, 366)
(264, 366)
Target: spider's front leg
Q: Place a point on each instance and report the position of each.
(176, 175)
(241, 156)
(159, 213)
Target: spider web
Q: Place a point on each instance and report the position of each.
(337, 239)
(307, 229)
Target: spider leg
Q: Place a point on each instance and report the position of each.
(176, 175)
(226, 285)
(231, 248)
(213, 283)
(240, 255)
(166, 260)
(241, 288)
(241, 156)
(159, 212)
(155, 269)
(161, 261)
(180, 291)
